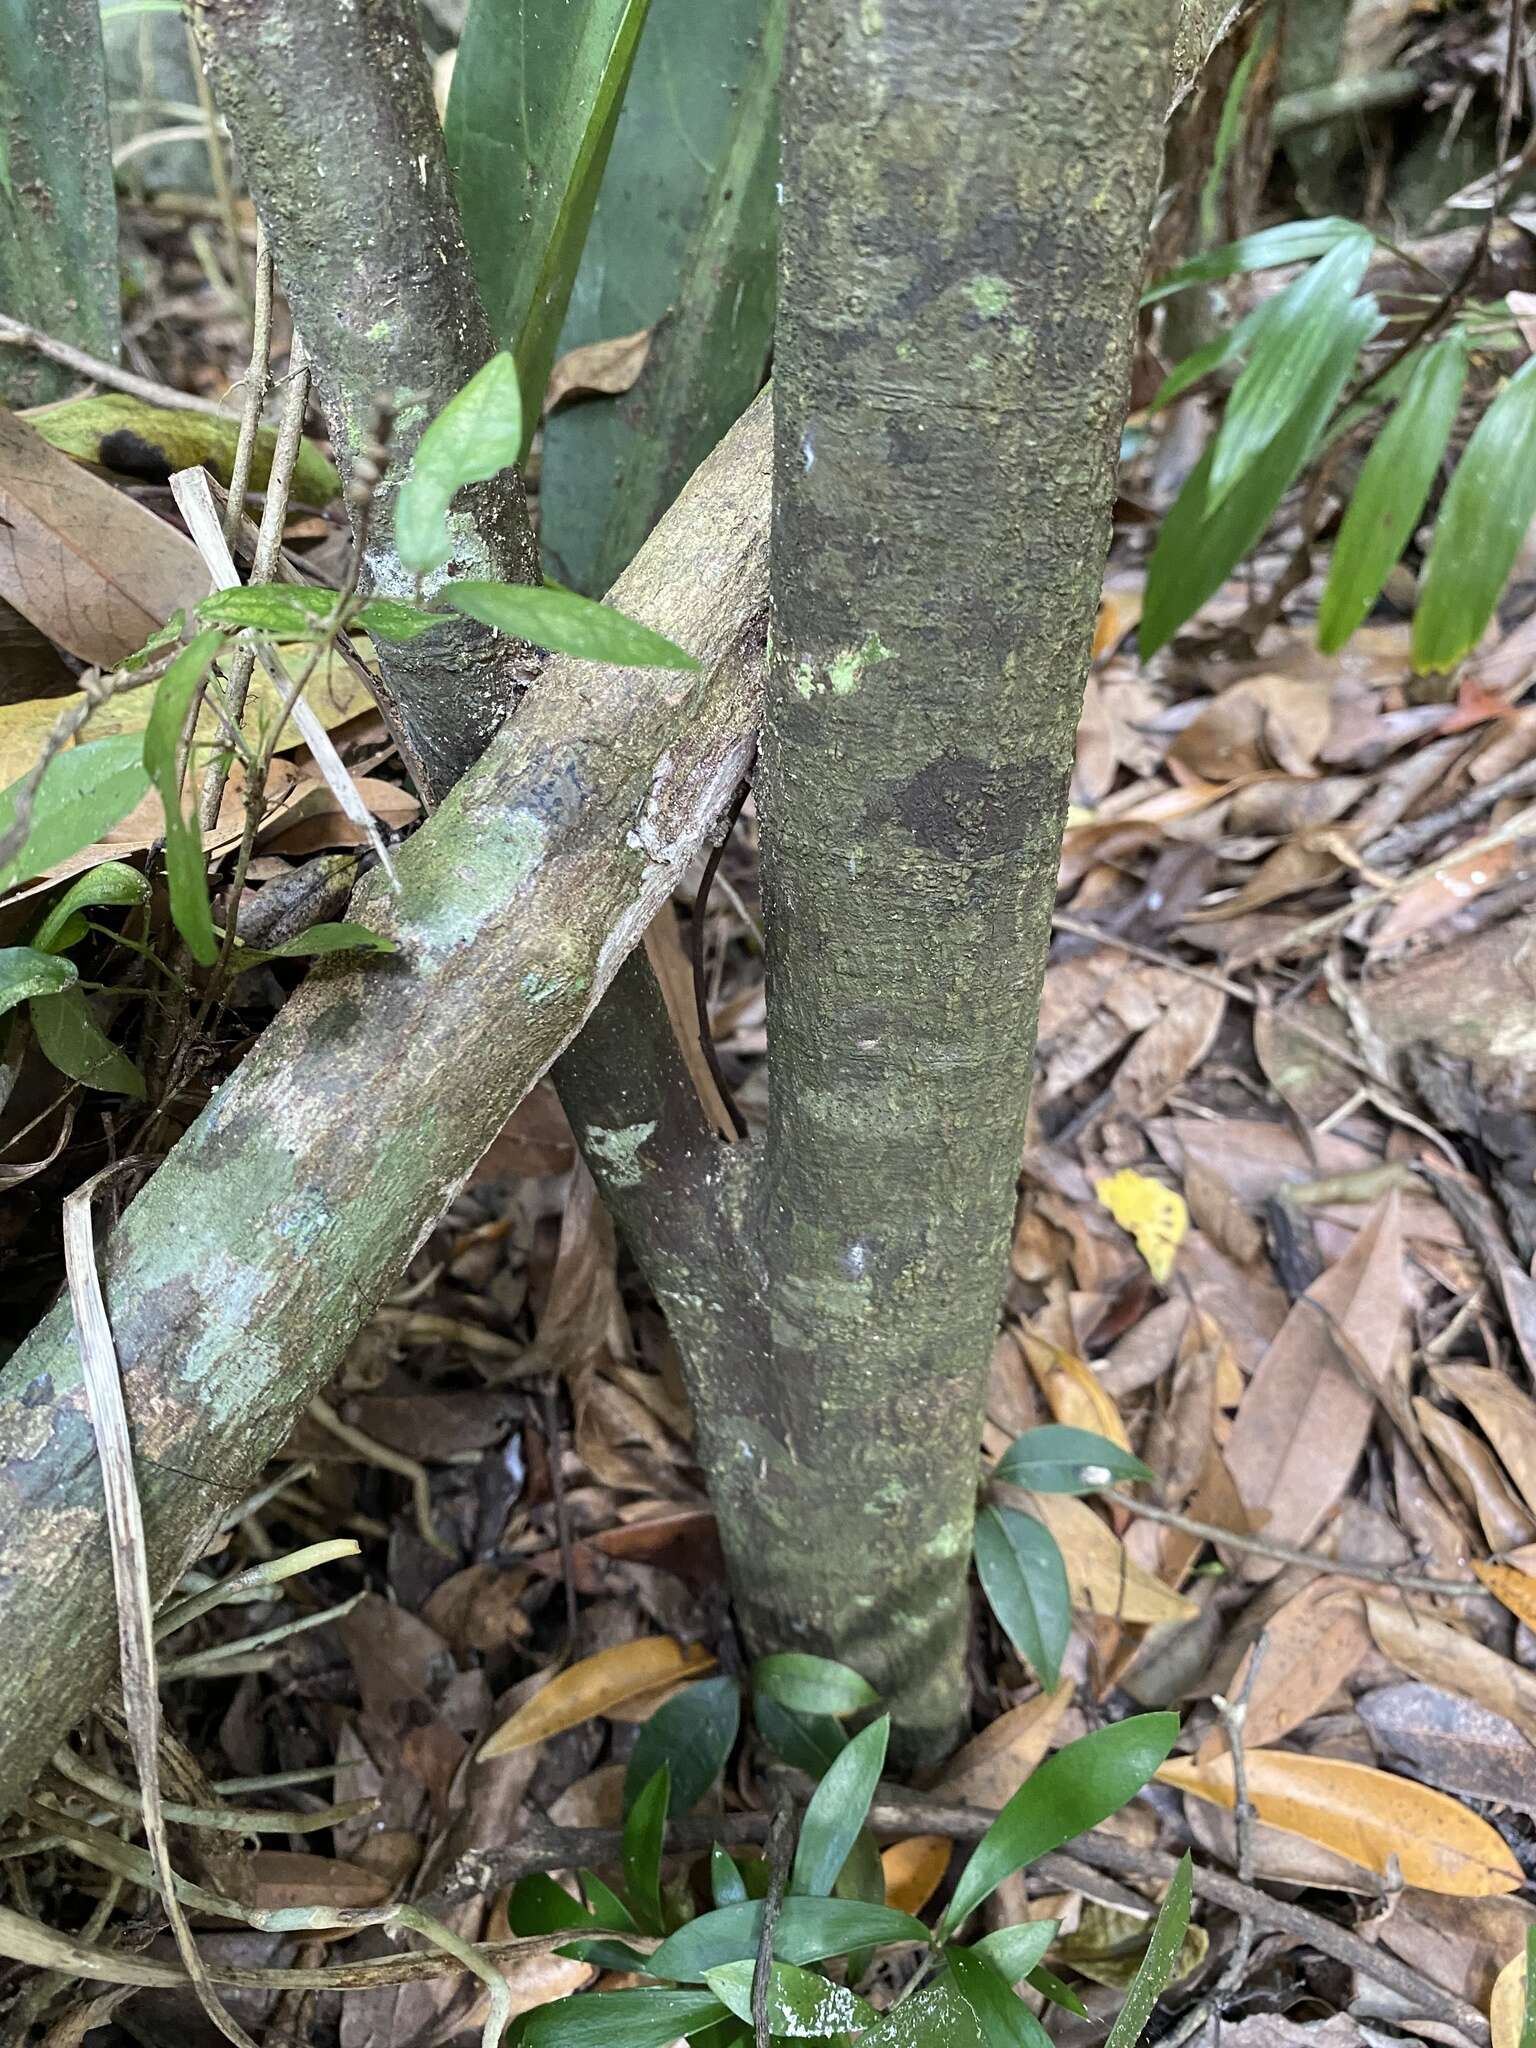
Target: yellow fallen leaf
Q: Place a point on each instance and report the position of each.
(1101, 1575)
(914, 1870)
(1367, 1815)
(595, 1686)
(1155, 1217)
(1516, 1590)
(1506, 2008)
(1071, 1391)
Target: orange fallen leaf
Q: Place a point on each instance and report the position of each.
(594, 1686)
(914, 1870)
(1073, 1393)
(1101, 1576)
(1516, 1590)
(1370, 1816)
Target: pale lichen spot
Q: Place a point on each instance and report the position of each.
(871, 17)
(991, 296)
(619, 1151)
(843, 671)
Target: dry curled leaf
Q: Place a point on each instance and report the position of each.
(1072, 1390)
(1101, 1575)
(594, 1686)
(1515, 1590)
(991, 1767)
(603, 367)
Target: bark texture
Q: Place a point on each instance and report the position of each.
(966, 195)
(238, 1277)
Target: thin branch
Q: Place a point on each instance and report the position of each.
(258, 381)
(780, 1844)
(19, 335)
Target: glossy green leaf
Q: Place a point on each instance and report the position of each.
(607, 1907)
(1059, 1459)
(1199, 544)
(1293, 241)
(619, 2019)
(69, 1036)
(1025, 1581)
(812, 1685)
(1484, 516)
(1014, 1951)
(938, 2016)
(531, 116)
(1392, 491)
(186, 870)
(569, 624)
(837, 1809)
(288, 609)
(112, 886)
(1003, 2017)
(540, 1906)
(1050, 1986)
(1157, 1965)
(1293, 342)
(83, 793)
(645, 1828)
(1232, 343)
(1073, 1790)
(386, 618)
(799, 2004)
(164, 638)
(727, 1886)
(682, 244)
(318, 939)
(478, 433)
(25, 972)
(693, 1734)
(806, 1742)
(806, 1931)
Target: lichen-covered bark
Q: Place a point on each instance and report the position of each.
(239, 1276)
(966, 195)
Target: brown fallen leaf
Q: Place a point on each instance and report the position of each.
(1461, 1944)
(1312, 1645)
(1476, 1475)
(1258, 725)
(93, 569)
(1163, 1058)
(1452, 1742)
(1102, 1577)
(1072, 1392)
(914, 1870)
(1370, 1816)
(1505, 1415)
(602, 367)
(1514, 1589)
(990, 1768)
(1442, 1655)
(287, 1877)
(594, 1685)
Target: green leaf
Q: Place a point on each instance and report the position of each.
(836, 1811)
(644, 1832)
(111, 886)
(540, 1906)
(727, 1886)
(619, 2019)
(607, 1908)
(83, 793)
(1200, 544)
(26, 971)
(386, 618)
(1484, 516)
(569, 624)
(287, 609)
(1053, 1459)
(1393, 489)
(1292, 344)
(1157, 1965)
(1073, 1790)
(799, 2004)
(807, 1931)
(152, 442)
(1014, 1951)
(1528, 2008)
(812, 1685)
(1025, 1581)
(317, 940)
(186, 870)
(938, 2016)
(1232, 343)
(1050, 1986)
(167, 635)
(478, 433)
(807, 1742)
(1293, 241)
(1004, 2019)
(69, 1036)
(693, 1734)
(531, 115)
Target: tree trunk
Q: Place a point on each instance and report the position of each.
(956, 302)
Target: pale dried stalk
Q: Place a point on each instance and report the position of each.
(258, 380)
(95, 368)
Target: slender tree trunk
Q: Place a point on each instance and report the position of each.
(966, 196)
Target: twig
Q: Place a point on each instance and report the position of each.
(19, 335)
(554, 1453)
(258, 380)
(95, 690)
(226, 1820)
(130, 1568)
(1284, 1553)
(256, 1579)
(780, 1843)
(1404, 841)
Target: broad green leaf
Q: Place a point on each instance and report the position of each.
(1292, 344)
(645, 1829)
(532, 110)
(540, 1906)
(186, 870)
(1392, 491)
(1233, 342)
(938, 2016)
(26, 971)
(111, 886)
(1025, 1581)
(83, 793)
(806, 1931)
(317, 940)
(569, 624)
(693, 1734)
(807, 1742)
(288, 609)
(836, 1811)
(1073, 1790)
(1050, 1986)
(1157, 1965)
(812, 1685)
(607, 1907)
(69, 1036)
(1014, 1951)
(1003, 2017)
(153, 441)
(1200, 544)
(1059, 1459)
(681, 244)
(1293, 241)
(478, 433)
(1484, 516)
(386, 618)
(619, 2019)
(799, 2004)
(727, 1886)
